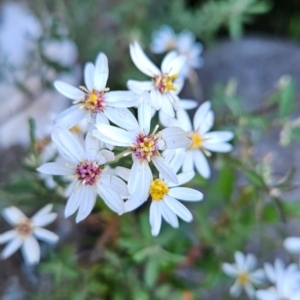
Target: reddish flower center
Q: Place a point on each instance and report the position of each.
(88, 172)
(165, 83)
(145, 146)
(25, 228)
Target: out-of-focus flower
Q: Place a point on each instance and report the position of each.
(26, 232)
(243, 270)
(286, 282)
(184, 43)
(86, 167)
(164, 85)
(292, 245)
(95, 100)
(144, 146)
(202, 141)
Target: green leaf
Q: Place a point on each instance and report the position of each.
(151, 272)
(254, 178)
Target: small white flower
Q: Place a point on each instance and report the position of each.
(86, 168)
(26, 232)
(292, 245)
(184, 43)
(286, 282)
(95, 100)
(164, 195)
(202, 141)
(243, 270)
(164, 85)
(143, 145)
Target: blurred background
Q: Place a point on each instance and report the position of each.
(251, 73)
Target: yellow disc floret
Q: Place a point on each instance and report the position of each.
(158, 189)
(197, 140)
(243, 278)
(165, 83)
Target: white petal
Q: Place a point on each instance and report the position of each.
(122, 117)
(116, 184)
(13, 215)
(201, 163)
(168, 215)
(188, 164)
(92, 148)
(229, 270)
(139, 86)
(124, 173)
(179, 209)
(74, 200)
(217, 147)
(218, 136)
(139, 179)
(144, 112)
(240, 260)
(108, 155)
(156, 99)
(175, 65)
(167, 107)
(184, 120)
(101, 72)
(11, 247)
(155, 218)
(123, 98)
(70, 188)
(70, 117)
(113, 135)
(292, 245)
(165, 68)
(69, 91)
(55, 168)
(141, 61)
(186, 194)
(44, 220)
(177, 159)
(112, 199)
(236, 289)
(175, 138)
(201, 113)
(132, 203)
(102, 118)
(187, 104)
(166, 171)
(45, 235)
(31, 250)
(184, 178)
(250, 262)
(87, 203)
(207, 123)
(7, 236)
(258, 276)
(250, 291)
(68, 145)
(89, 71)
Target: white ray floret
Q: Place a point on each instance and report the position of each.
(144, 146)
(86, 166)
(292, 244)
(165, 84)
(243, 270)
(184, 43)
(94, 100)
(202, 142)
(26, 232)
(164, 195)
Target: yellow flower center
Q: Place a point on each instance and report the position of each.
(25, 228)
(164, 83)
(243, 278)
(197, 140)
(76, 129)
(158, 189)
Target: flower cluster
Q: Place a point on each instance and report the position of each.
(275, 281)
(156, 154)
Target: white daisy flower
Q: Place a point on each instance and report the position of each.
(276, 272)
(292, 245)
(184, 43)
(26, 232)
(243, 270)
(164, 195)
(143, 145)
(202, 141)
(286, 285)
(163, 40)
(86, 168)
(94, 100)
(164, 85)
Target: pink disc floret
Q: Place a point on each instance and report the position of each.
(88, 172)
